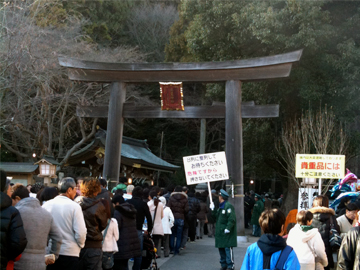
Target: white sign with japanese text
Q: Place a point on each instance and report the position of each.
(306, 196)
(205, 168)
(320, 166)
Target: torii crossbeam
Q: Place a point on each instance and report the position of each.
(230, 72)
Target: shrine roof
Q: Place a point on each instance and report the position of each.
(133, 150)
(18, 167)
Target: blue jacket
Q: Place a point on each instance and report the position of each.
(270, 245)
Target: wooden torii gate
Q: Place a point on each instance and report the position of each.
(230, 72)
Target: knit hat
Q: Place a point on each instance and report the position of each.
(224, 194)
(162, 200)
(213, 191)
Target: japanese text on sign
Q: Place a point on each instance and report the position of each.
(205, 168)
(320, 166)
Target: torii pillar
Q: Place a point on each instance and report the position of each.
(230, 72)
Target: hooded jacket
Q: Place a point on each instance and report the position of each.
(39, 226)
(265, 253)
(12, 239)
(178, 203)
(323, 218)
(349, 253)
(95, 219)
(301, 242)
(128, 243)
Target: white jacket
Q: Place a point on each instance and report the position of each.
(167, 220)
(112, 235)
(300, 242)
(69, 219)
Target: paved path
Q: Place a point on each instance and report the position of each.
(203, 255)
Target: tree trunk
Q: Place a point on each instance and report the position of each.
(290, 196)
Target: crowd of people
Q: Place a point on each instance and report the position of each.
(317, 238)
(82, 225)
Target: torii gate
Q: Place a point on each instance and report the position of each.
(230, 72)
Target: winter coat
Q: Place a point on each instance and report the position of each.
(203, 212)
(194, 207)
(105, 194)
(111, 237)
(302, 241)
(265, 253)
(225, 219)
(178, 203)
(12, 239)
(142, 212)
(119, 186)
(349, 253)
(344, 225)
(257, 210)
(167, 220)
(95, 219)
(322, 220)
(128, 243)
(157, 223)
(248, 203)
(69, 219)
(39, 226)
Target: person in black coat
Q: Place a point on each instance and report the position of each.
(324, 218)
(142, 212)
(194, 209)
(96, 219)
(128, 243)
(12, 239)
(105, 194)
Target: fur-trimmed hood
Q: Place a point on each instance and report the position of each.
(322, 210)
(177, 194)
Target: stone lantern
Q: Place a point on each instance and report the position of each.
(47, 168)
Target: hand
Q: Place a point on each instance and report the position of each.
(49, 261)
(212, 206)
(226, 231)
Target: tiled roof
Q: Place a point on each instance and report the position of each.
(18, 167)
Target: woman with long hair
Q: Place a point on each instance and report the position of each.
(157, 213)
(324, 219)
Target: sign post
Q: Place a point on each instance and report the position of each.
(206, 168)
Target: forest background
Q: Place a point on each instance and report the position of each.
(37, 101)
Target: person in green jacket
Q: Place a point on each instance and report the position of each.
(257, 210)
(122, 185)
(225, 234)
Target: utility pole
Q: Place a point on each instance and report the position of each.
(161, 145)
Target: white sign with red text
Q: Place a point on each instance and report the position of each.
(205, 168)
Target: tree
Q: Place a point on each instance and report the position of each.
(326, 74)
(37, 101)
(317, 133)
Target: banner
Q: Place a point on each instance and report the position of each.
(320, 166)
(306, 196)
(205, 168)
(171, 96)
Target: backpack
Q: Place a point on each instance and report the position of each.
(282, 258)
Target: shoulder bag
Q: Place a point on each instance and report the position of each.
(108, 257)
